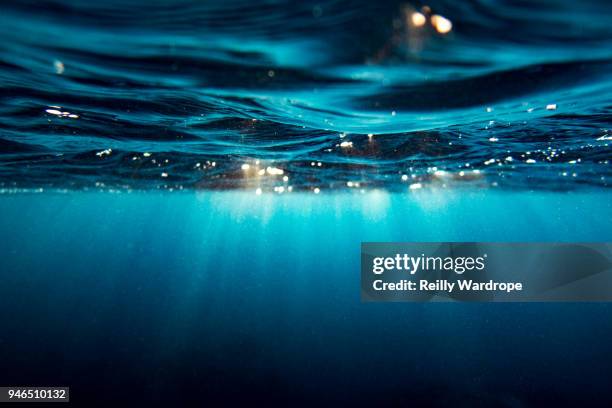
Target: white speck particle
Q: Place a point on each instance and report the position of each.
(404, 177)
(285, 179)
(530, 161)
(54, 112)
(245, 166)
(316, 190)
(552, 106)
(346, 144)
(415, 186)
(104, 152)
(493, 139)
(274, 171)
(59, 67)
(489, 109)
(258, 191)
(146, 154)
(164, 174)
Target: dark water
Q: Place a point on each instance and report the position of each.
(204, 87)
(218, 299)
(296, 130)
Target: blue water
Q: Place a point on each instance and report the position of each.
(223, 299)
(182, 94)
(185, 185)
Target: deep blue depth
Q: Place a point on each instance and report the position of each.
(231, 298)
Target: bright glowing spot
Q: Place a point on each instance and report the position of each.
(418, 19)
(317, 190)
(552, 106)
(415, 186)
(164, 175)
(493, 139)
(245, 166)
(404, 177)
(530, 161)
(258, 191)
(346, 144)
(285, 178)
(104, 152)
(274, 171)
(441, 24)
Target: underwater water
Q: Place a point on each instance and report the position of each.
(185, 185)
(221, 299)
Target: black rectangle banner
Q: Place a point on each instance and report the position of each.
(486, 272)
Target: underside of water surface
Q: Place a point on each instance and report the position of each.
(262, 142)
(308, 96)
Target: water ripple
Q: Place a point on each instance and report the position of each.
(333, 95)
